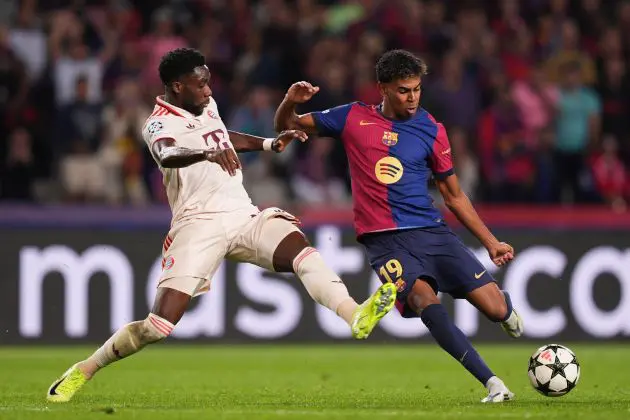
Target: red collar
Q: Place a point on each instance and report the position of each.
(170, 107)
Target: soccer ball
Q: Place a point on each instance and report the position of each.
(553, 370)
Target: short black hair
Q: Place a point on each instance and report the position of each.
(399, 65)
(179, 62)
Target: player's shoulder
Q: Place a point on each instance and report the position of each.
(426, 119)
(362, 109)
(154, 123)
(154, 126)
(159, 122)
(345, 108)
(436, 129)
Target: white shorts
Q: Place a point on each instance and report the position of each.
(193, 250)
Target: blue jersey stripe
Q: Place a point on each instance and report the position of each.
(409, 198)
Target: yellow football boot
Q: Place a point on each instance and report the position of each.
(65, 387)
(367, 315)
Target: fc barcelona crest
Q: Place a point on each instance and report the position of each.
(389, 138)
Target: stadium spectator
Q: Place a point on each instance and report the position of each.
(466, 165)
(455, 94)
(17, 173)
(614, 90)
(314, 182)
(508, 156)
(611, 176)
(536, 100)
(158, 42)
(79, 119)
(517, 58)
(570, 51)
(72, 59)
(578, 128)
(28, 40)
(121, 145)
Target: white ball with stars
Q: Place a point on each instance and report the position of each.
(553, 370)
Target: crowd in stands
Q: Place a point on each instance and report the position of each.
(534, 94)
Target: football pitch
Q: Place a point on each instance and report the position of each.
(357, 381)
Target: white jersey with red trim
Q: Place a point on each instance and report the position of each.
(201, 190)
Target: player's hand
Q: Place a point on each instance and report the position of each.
(285, 138)
(301, 92)
(501, 253)
(226, 158)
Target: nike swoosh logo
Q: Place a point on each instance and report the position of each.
(447, 151)
(493, 396)
(478, 276)
(362, 122)
(54, 387)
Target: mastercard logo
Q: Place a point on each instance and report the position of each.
(388, 170)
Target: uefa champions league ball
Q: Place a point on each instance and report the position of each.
(553, 370)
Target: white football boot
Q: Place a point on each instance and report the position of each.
(497, 391)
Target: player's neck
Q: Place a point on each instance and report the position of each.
(171, 100)
(388, 113)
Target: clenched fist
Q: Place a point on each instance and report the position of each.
(301, 92)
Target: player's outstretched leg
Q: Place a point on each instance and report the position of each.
(496, 305)
(294, 254)
(168, 309)
(423, 300)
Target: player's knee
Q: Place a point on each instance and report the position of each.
(290, 248)
(154, 328)
(421, 296)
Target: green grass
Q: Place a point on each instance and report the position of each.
(307, 382)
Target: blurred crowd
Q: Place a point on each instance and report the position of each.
(534, 94)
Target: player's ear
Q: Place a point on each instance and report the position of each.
(381, 88)
(177, 87)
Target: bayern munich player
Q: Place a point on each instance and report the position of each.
(213, 219)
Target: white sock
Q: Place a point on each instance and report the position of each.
(494, 382)
(322, 284)
(512, 321)
(128, 340)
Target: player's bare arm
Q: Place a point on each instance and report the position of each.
(247, 143)
(286, 118)
(459, 203)
(170, 155)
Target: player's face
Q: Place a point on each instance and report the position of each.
(195, 92)
(402, 96)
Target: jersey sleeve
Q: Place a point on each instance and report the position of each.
(331, 122)
(156, 129)
(441, 157)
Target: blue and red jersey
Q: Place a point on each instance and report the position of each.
(390, 163)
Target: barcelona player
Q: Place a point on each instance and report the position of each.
(393, 150)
